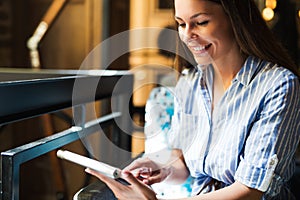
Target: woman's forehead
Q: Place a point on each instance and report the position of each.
(190, 8)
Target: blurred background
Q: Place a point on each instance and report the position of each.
(75, 28)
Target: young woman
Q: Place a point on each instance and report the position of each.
(236, 122)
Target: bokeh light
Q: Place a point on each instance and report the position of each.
(271, 4)
(268, 14)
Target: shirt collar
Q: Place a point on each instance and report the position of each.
(248, 71)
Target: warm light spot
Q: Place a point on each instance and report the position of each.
(299, 13)
(271, 4)
(268, 14)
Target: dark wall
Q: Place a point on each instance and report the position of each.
(119, 18)
(285, 27)
(64, 44)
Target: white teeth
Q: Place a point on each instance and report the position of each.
(199, 48)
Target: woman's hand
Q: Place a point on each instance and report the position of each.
(136, 189)
(174, 170)
(148, 171)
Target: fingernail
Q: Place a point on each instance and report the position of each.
(125, 173)
(87, 170)
(145, 170)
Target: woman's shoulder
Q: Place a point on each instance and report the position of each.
(273, 70)
(279, 72)
(278, 79)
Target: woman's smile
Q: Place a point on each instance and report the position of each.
(199, 50)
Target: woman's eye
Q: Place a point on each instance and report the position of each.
(181, 24)
(202, 23)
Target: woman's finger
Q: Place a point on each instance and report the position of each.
(126, 175)
(111, 183)
(130, 178)
(140, 163)
(156, 178)
(141, 173)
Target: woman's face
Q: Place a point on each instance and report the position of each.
(205, 28)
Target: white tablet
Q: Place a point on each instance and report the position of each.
(84, 161)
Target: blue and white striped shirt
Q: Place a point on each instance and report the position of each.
(250, 137)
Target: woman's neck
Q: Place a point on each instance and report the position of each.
(226, 69)
(224, 72)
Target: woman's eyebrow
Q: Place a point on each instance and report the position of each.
(193, 16)
(197, 14)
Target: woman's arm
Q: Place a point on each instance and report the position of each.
(175, 172)
(179, 172)
(138, 190)
(236, 191)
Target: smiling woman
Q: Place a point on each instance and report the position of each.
(236, 110)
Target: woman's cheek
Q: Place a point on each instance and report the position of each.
(181, 35)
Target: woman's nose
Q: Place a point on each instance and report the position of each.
(190, 32)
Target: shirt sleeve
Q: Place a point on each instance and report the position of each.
(266, 162)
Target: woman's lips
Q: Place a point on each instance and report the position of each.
(200, 49)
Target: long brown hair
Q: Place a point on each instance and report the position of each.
(252, 35)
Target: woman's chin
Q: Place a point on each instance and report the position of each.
(203, 60)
